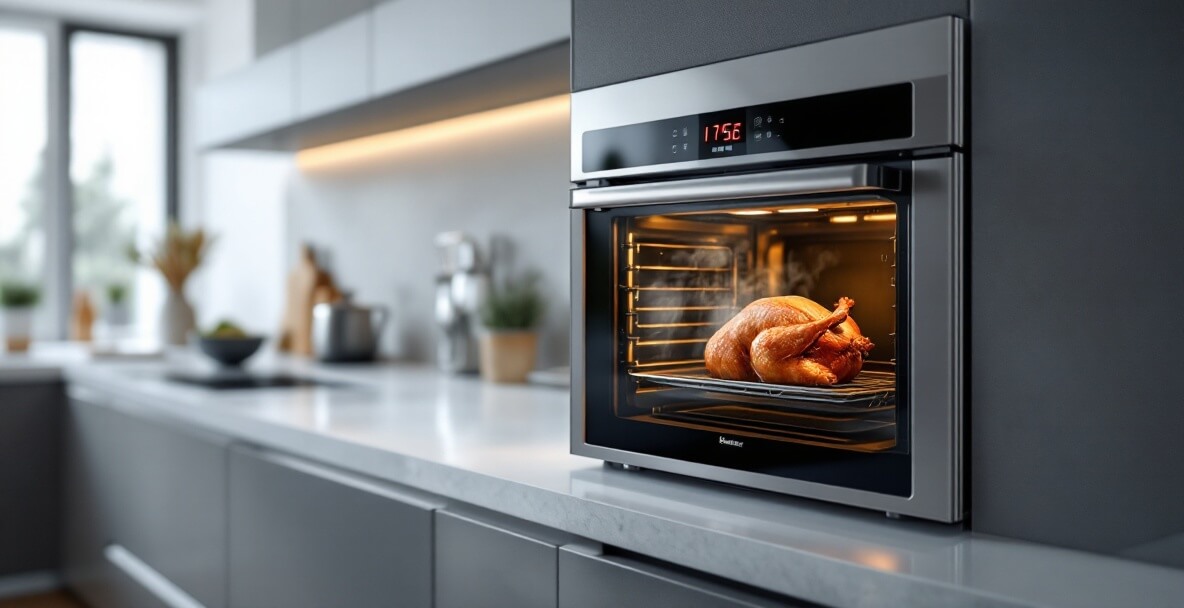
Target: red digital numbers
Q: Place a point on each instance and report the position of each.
(725, 131)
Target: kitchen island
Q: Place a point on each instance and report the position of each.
(478, 452)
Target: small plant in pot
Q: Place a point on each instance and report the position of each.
(18, 299)
(509, 344)
(117, 312)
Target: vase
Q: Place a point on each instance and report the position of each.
(508, 355)
(117, 314)
(176, 319)
(18, 329)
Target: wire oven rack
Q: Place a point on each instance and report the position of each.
(870, 390)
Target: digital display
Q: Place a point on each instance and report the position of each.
(721, 133)
(849, 117)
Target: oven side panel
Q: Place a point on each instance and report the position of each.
(1078, 421)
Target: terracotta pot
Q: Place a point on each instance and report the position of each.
(18, 329)
(508, 356)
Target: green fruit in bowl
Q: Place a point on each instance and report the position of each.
(226, 330)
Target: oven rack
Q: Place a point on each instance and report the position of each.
(869, 390)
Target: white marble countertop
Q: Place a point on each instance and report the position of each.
(505, 448)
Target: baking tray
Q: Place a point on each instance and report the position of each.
(869, 390)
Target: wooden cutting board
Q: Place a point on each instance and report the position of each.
(308, 284)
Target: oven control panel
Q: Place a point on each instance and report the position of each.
(865, 115)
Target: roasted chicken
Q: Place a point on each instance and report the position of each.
(789, 340)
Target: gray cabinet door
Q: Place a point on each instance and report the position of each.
(275, 24)
(420, 41)
(482, 563)
(302, 534)
(313, 16)
(30, 416)
(333, 67)
(156, 491)
(589, 579)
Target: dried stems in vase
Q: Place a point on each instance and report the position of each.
(176, 255)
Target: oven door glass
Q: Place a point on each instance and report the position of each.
(726, 347)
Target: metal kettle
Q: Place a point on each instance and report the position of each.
(343, 331)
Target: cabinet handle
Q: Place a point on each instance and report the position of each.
(148, 578)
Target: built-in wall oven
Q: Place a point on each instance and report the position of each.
(831, 172)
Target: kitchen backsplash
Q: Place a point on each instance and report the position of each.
(379, 223)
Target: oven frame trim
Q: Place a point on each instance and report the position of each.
(936, 363)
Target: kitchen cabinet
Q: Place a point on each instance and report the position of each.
(618, 40)
(315, 15)
(155, 492)
(275, 24)
(255, 99)
(30, 415)
(302, 534)
(590, 579)
(417, 41)
(351, 69)
(332, 67)
(487, 560)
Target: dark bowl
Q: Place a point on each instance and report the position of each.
(229, 351)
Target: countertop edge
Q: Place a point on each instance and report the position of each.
(786, 570)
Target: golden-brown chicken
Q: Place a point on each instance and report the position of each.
(789, 340)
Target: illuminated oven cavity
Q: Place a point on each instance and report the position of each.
(682, 276)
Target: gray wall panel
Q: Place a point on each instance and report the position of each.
(30, 446)
(618, 40)
(1076, 218)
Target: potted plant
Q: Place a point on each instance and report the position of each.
(18, 300)
(509, 344)
(176, 256)
(117, 313)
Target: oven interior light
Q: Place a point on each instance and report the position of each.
(752, 212)
(880, 217)
(798, 210)
(844, 219)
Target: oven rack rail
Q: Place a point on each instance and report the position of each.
(870, 389)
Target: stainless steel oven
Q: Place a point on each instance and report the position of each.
(768, 271)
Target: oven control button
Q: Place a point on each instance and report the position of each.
(757, 121)
(674, 149)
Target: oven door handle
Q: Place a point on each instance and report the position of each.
(860, 178)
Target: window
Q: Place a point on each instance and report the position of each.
(24, 136)
(118, 166)
(87, 146)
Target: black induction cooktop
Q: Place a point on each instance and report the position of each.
(239, 380)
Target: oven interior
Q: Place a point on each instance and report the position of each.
(682, 275)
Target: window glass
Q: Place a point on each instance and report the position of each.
(23, 137)
(118, 168)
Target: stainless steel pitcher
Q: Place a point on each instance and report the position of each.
(343, 331)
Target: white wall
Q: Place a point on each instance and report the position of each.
(380, 225)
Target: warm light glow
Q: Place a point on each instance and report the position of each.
(880, 217)
(798, 210)
(844, 219)
(880, 560)
(462, 127)
(752, 212)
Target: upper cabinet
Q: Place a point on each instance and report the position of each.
(327, 71)
(418, 41)
(332, 67)
(252, 100)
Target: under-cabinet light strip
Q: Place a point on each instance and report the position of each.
(373, 147)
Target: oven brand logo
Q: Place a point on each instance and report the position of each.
(732, 442)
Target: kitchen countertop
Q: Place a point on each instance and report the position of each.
(505, 448)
